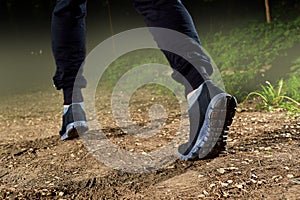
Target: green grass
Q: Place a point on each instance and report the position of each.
(274, 97)
(243, 55)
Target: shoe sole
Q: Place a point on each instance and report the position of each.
(218, 118)
(74, 130)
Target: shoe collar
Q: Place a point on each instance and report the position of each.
(196, 94)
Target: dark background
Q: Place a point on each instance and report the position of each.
(26, 60)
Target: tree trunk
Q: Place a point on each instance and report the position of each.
(268, 16)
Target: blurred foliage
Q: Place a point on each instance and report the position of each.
(293, 81)
(244, 54)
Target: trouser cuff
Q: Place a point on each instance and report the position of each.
(72, 95)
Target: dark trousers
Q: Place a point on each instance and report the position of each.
(68, 43)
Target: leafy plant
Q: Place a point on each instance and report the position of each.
(275, 98)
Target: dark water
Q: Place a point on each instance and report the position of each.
(26, 60)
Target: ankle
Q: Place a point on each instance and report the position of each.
(66, 106)
(65, 109)
(189, 95)
(71, 94)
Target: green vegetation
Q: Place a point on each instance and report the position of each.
(274, 97)
(244, 55)
(293, 81)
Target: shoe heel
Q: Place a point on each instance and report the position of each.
(221, 143)
(231, 109)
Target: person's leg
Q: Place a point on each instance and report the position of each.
(171, 14)
(211, 109)
(68, 45)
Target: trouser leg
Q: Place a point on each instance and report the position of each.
(172, 14)
(68, 45)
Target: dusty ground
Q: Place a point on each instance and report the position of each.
(263, 160)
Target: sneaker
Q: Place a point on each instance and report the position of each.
(211, 113)
(74, 123)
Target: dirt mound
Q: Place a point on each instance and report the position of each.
(263, 161)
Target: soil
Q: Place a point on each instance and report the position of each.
(262, 160)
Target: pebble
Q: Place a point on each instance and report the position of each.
(221, 170)
(224, 184)
(290, 176)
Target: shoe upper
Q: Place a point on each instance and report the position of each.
(75, 113)
(197, 112)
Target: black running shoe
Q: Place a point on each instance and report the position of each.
(211, 113)
(74, 123)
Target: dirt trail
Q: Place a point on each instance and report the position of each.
(263, 160)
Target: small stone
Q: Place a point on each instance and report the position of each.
(200, 175)
(240, 186)
(225, 194)
(254, 176)
(259, 182)
(253, 181)
(221, 170)
(224, 184)
(233, 168)
(61, 194)
(171, 167)
(276, 178)
(238, 173)
(290, 176)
